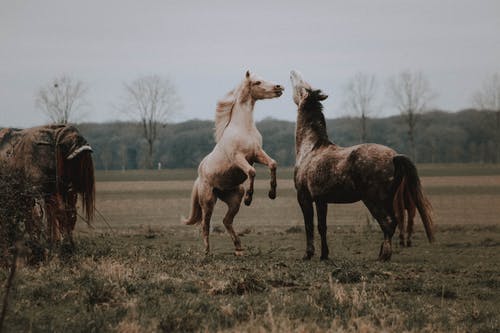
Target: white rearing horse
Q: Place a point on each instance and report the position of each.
(221, 173)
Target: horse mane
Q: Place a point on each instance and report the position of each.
(225, 106)
(311, 113)
(78, 173)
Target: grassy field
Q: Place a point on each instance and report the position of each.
(138, 269)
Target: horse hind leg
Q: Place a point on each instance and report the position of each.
(388, 224)
(233, 200)
(322, 210)
(207, 203)
(409, 230)
(401, 227)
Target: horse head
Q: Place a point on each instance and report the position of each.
(71, 142)
(75, 166)
(260, 89)
(302, 89)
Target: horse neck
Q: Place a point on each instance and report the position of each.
(310, 129)
(242, 116)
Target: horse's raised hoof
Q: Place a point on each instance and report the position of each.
(248, 198)
(239, 253)
(385, 251)
(272, 194)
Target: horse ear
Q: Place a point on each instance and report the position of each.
(247, 75)
(322, 96)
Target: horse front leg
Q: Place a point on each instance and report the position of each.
(249, 171)
(70, 220)
(306, 206)
(322, 210)
(263, 158)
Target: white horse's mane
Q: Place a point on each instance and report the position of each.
(225, 106)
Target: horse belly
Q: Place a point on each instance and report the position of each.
(230, 178)
(343, 197)
(333, 191)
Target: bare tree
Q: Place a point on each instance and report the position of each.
(410, 93)
(488, 98)
(359, 98)
(62, 99)
(152, 100)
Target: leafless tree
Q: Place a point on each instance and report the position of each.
(488, 98)
(62, 99)
(359, 98)
(151, 100)
(410, 93)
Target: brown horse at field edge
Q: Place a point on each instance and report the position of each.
(387, 183)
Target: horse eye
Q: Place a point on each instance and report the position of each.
(257, 83)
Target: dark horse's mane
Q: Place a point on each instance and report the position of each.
(313, 117)
(79, 174)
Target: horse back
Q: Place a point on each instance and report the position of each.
(346, 174)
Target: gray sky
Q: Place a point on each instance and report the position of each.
(206, 46)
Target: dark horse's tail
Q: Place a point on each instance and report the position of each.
(408, 194)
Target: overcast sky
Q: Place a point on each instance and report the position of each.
(204, 47)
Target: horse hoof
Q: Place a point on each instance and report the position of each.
(385, 251)
(248, 202)
(272, 195)
(307, 256)
(323, 258)
(239, 253)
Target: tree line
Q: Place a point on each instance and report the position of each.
(423, 135)
(468, 136)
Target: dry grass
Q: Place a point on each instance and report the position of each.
(456, 200)
(149, 273)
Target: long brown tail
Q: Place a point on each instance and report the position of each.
(195, 214)
(408, 194)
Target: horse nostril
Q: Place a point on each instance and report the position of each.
(278, 86)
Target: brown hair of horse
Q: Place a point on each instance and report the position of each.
(387, 183)
(74, 177)
(57, 160)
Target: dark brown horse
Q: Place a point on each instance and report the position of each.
(387, 183)
(57, 161)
